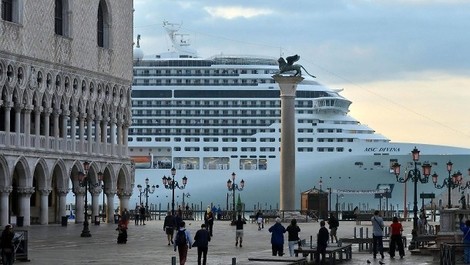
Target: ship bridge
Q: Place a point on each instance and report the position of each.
(331, 104)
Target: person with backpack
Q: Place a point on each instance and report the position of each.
(183, 242)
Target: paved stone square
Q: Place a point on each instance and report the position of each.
(54, 244)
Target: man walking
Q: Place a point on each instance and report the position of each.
(182, 242)
(322, 243)
(201, 241)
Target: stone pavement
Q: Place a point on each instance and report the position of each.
(54, 244)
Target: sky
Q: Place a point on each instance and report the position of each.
(404, 64)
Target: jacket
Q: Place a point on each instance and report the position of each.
(277, 234)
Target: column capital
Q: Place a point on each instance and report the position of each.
(6, 189)
(45, 192)
(79, 190)
(287, 84)
(63, 192)
(25, 190)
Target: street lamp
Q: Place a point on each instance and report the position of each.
(171, 184)
(232, 186)
(451, 182)
(415, 176)
(84, 181)
(146, 191)
(337, 203)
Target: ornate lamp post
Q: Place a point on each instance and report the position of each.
(451, 182)
(146, 191)
(415, 176)
(171, 184)
(84, 181)
(232, 186)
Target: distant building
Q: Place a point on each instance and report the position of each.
(65, 79)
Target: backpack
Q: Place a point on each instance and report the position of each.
(181, 238)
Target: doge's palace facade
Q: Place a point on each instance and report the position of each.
(65, 86)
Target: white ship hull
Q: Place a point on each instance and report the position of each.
(354, 184)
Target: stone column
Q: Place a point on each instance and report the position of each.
(110, 203)
(44, 217)
(112, 135)
(119, 137)
(95, 203)
(288, 86)
(104, 134)
(81, 131)
(37, 126)
(27, 125)
(56, 133)
(47, 113)
(80, 204)
(73, 129)
(7, 106)
(25, 208)
(124, 197)
(18, 109)
(63, 126)
(98, 135)
(89, 130)
(62, 194)
(4, 205)
(125, 139)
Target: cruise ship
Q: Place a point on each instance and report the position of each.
(211, 117)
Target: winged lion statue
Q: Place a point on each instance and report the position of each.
(289, 66)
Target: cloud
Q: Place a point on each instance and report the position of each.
(232, 12)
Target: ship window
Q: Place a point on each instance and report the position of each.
(358, 164)
(377, 163)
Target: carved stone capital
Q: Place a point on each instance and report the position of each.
(63, 192)
(6, 189)
(25, 190)
(44, 192)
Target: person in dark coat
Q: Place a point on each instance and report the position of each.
(201, 241)
(277, 237)
(322, 243)
(122, 232)
(8, 249)
(209, 220)
(334, 223)
(143, 214)
(169, 227)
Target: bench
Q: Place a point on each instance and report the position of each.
(366, 243)
(333, 253)
(422, 241)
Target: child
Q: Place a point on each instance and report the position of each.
(122, 233)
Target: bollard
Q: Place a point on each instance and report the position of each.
(234, 261)
(173, 260)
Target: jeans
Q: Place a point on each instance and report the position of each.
(291, 247)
